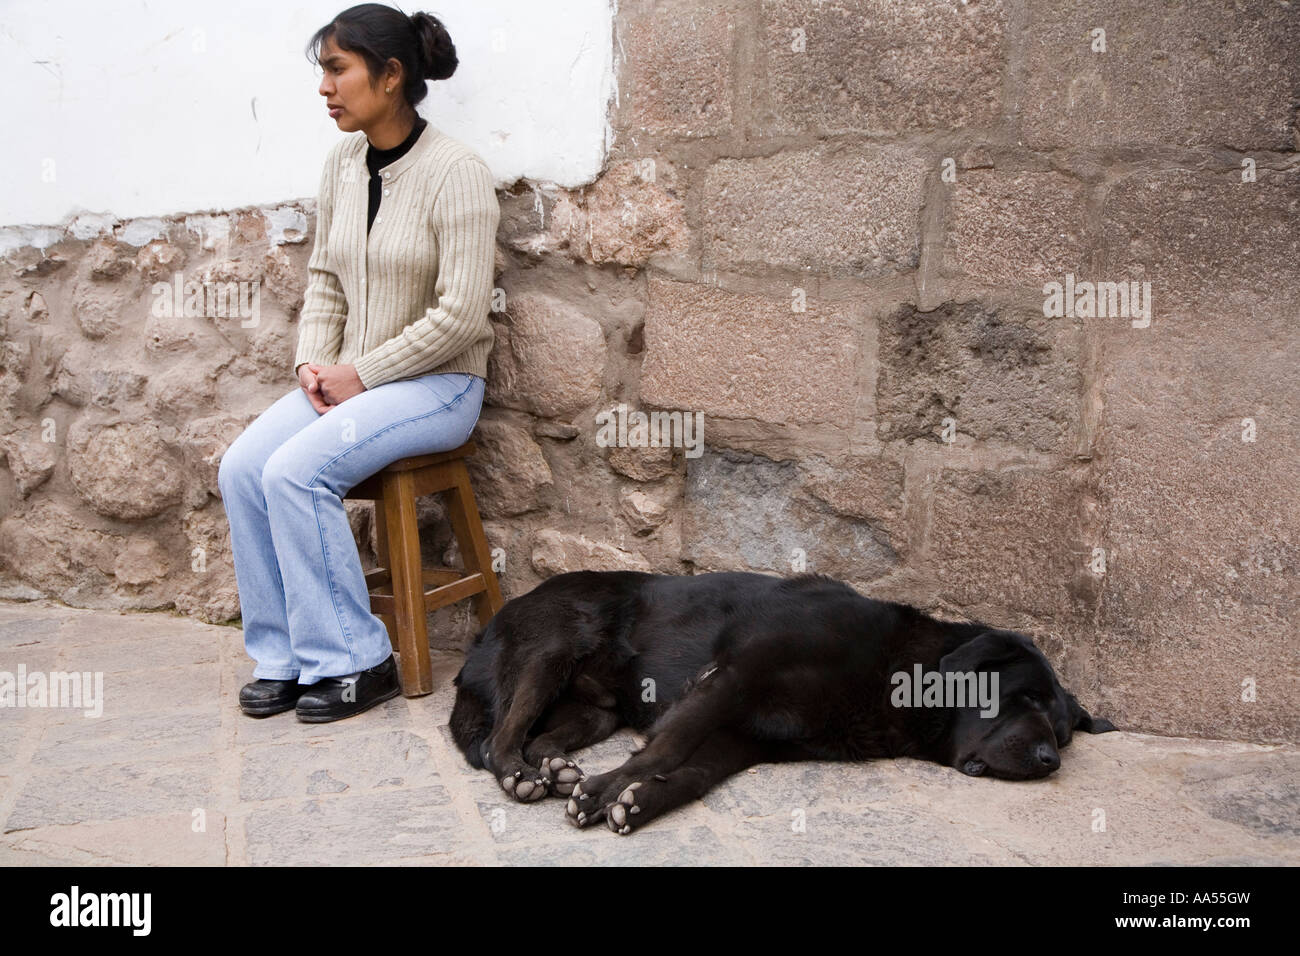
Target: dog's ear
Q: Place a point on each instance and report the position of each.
(1080, 719)
(976, 654)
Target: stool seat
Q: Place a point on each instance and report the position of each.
(402, 589)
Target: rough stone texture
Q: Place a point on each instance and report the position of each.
(509, 471)
(746, 356)
(870, 489)
(1002, 375)
(879, 66)
(30, 462)
(549, 358)
(169, 783)
(1201, 586)
(65, 796)
(642, 512)
(129, 738)
(641, 463)
(141, 561)
(836, 210)
(391, 758)
(286, 279)
(209, 592)
(563, 431)
(158, 260)
(203, 443)
(52, 548)
(676, 74)
(1008, 542)
(74, 371)
(555, 552)
(510, 543)
(746, 512)
(370, 828)
(98, 308)
(36, 308)
(123, 470)
(108, 259)
(1208, 244)
(1045, 242)
(114, 388)
(1171, 74)
(630, 214)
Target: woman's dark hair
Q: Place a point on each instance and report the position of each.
(378, 33)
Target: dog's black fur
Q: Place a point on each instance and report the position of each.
(727, 670)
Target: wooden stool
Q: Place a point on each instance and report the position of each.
(401, 589)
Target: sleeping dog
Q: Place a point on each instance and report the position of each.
(725, 670)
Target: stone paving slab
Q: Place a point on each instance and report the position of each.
(172, 773)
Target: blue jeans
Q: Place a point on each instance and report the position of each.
(302, 593)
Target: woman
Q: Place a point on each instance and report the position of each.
(391, 359)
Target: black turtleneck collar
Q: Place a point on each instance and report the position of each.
(377, 159)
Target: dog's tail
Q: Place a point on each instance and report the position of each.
(472, 715)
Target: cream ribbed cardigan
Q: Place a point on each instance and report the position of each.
(413, 297)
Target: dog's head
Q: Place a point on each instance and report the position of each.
(1035, 716)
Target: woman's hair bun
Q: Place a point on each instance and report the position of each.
(437, 52)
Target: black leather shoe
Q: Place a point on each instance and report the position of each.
(332, 699)
(262, 698)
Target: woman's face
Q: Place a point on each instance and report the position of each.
(353, 101)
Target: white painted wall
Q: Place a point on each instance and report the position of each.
(158, 108)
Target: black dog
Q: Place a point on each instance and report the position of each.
(731, 669)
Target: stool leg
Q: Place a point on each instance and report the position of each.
(381, 555)
(468, 528)
(408, 583)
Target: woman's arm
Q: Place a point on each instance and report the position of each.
(324, 307)
(465, 217)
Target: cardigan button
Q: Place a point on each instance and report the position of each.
(387, 191)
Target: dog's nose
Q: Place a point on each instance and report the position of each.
(1048, 756)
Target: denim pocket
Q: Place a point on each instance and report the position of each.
(452, 389)
(449, 388)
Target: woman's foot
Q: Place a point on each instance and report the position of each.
(333, 698)
(262, 698)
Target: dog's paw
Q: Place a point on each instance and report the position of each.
(591, 798)
(621, 814)
(611, 797)
(562, 773)
(582, 808)
(525, 785)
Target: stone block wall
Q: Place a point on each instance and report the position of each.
(830, 229)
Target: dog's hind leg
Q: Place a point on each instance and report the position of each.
(536, 687)
(470, 722)
(570, 725)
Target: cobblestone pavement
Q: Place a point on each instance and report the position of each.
(173, 773)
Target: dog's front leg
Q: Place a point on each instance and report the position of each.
(705, 710)
(723, 753)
